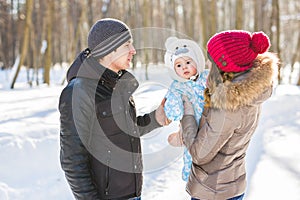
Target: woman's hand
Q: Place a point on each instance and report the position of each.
(175, 139)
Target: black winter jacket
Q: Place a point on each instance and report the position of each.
(100, 133)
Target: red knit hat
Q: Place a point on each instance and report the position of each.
(235, 51)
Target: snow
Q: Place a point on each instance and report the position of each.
(29, 143)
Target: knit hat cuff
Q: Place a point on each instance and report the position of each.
(110, 44)
(182, 52)
(236, 50)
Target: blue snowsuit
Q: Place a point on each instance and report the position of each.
(174, 110)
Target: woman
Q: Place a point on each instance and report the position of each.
(240, 80)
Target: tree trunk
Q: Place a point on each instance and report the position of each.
(29, 5)
(239, 14)
(294, 59)
(173, 8)
(213, 22)
(192, 20)
(202, 5)
(13, 33)
(90, 15)
(275, 22)
(146, 23)
(48, 54)
(84, 30)
(257, 15)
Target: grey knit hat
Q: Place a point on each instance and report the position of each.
(106, 35)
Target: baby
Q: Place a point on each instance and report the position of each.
(186, 63)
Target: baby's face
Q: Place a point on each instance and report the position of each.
(185, 67)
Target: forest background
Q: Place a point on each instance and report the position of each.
(41, 33)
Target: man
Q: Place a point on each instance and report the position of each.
(100, 132)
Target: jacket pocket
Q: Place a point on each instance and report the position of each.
(107, 181)
(111, 118)
(202, 178)
(107, 172)
(120, 183)
(232, 172)
(199, 173)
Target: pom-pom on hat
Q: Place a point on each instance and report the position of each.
(106, 35)
(176, 48)
(235, 51)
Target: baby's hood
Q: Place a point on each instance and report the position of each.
(176, 48)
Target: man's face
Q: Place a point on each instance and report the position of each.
(122, 56)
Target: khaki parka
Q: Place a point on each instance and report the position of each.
(218, 146)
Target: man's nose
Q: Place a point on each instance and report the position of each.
(132, 50)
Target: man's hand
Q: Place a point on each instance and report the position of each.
(160, 114)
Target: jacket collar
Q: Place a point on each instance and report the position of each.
(87, 66)
(249, 88)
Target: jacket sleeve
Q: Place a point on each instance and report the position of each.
(216, 128)
(74, 157)
(147, 123)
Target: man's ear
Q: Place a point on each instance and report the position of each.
(106, 60)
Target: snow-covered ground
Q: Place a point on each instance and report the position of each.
(29, 144)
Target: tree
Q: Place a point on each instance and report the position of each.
(66, 33)
(239, 14)
(275, 30)
(28, 24)
(203, 14)
(48, 54)
(294, 59)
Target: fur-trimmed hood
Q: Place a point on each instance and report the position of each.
(249, 88)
